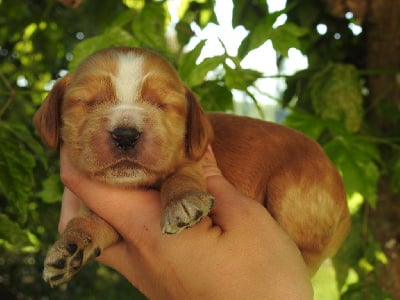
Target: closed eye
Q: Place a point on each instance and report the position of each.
(96, 101)
(91, 103)
(155, 101)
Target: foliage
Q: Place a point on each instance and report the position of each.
(40, 40)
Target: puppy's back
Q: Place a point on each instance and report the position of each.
(291, 175)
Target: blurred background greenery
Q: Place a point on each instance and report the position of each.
(329, 68)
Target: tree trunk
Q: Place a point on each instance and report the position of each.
(382, 31)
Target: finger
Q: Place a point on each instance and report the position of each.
(209, 164)
(70, 207)
(216, 182)
(112, 258)
(231, 207)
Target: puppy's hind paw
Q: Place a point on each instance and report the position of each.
(66, 257)
(186, 212)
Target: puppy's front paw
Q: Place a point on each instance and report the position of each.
(66, 257)
(186, 212)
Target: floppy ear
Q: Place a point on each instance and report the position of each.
(199, 131)
(47, 119)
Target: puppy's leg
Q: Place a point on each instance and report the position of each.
(83, 239)
(185, 199)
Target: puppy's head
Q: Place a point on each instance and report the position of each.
(124, 117)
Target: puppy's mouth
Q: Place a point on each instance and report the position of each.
(125, 165)
(124, 172)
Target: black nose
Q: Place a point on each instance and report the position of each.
(125, 137)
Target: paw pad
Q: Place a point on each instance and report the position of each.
(65, 259)
(186, 212)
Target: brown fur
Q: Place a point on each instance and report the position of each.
(275, 165)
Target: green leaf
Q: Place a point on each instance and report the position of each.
(23, 134)
(356, 159)
(214, 96)
(206, 13)
(240, 78)
(365, 290)
(335, 93)
(16, 177)
(113, 37)
(310, 125)
(184, 32)
(297, 90)
(150, 24)
(257, 36)
(124, 18)
(287, 36)
(248, 13)
(350, 252)
(189, 60)
(361, 254)
(11, 234)
(200, 71)
(52, 189)
(16, 168)
(200, 12)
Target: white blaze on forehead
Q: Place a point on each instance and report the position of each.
(129, 76)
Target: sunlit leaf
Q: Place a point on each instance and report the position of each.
(297, 90)
(189, 59)
(206, 13)
(365, 290)
(52, 189)
(11, 234)
(287, 36)
(16, 178)
(306, 123)
(113, 37)
(134, 4)
(200, 12)
(25, 136)
(336, 95)
(184, 32)
(240, 78)
(199, 72)
(355, 260)
(356, 161)
(258, 35)
(124, 19)
(16, 168)
(150, 25)
(214, 96)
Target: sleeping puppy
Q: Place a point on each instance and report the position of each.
(126, 118)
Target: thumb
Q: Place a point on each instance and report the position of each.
(70, 207)
(230, 205)
(216, 182)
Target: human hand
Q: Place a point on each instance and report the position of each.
(238, 252)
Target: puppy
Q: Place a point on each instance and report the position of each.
(126, 118)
